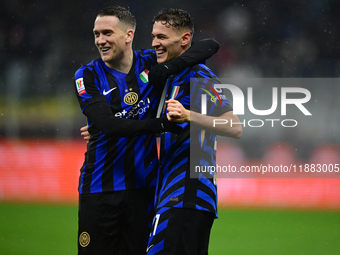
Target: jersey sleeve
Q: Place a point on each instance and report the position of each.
(87, 87)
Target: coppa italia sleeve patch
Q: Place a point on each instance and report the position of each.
(80, 86)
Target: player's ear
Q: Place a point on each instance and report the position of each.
(186, 38)
(129, 35)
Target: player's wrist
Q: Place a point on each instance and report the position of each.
(195, 117)
(187, 115)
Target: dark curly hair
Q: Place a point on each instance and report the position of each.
(121, 13)
(176, 18)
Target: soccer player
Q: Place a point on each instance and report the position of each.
(186, 207)
(117, 179)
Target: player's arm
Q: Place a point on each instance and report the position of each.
(226, 124)
(101, 116)
(199, 52)
(96, 108)
(196, 54)
(98, 111)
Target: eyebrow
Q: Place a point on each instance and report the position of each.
(154, 35)
(102, 31)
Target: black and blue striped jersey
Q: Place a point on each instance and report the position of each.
(175, 186)
(119, 163)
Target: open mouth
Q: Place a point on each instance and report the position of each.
(104, 50)
(160, 53)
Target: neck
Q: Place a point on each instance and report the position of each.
(124, 63)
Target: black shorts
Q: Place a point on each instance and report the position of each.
(180, 231)
(115, 223)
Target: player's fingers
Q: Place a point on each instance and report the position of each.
(86, 133)
(174, 106)
(83, 128)
(168, 116)
(171, 101)
(172, 117)
(174, 109)
(174, 114)
(86, 138)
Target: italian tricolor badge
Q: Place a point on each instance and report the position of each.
(174, 92)
(144, 76)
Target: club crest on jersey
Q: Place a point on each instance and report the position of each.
(144, 76)
(80, 86)
(84, 239)
(131, 98)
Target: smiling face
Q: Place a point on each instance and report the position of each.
(112, 38)
(168, 41)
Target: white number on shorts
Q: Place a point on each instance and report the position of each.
(155, 224)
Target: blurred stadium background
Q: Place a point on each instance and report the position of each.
(42, 44)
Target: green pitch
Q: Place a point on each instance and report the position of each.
(254, 232)
(37, 229)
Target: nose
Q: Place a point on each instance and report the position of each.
(155, 42)
(100, 39)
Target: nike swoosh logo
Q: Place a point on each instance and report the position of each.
(149, 248)
(107, 92)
